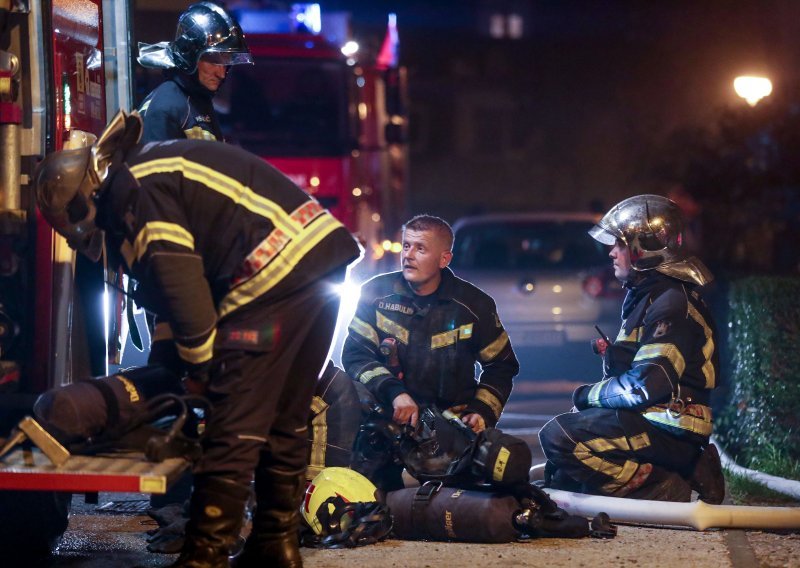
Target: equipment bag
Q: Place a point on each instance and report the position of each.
(141, 409)
(433, 512)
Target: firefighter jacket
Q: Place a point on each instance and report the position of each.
(180, 107)
(437, 345)
(664, 361)
(208, 231)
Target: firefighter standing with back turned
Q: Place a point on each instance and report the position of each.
(642, 431)
(440, 326)
(243, 265)
(207, 42)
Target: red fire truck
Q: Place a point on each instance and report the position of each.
(332, 122)
(64, 69)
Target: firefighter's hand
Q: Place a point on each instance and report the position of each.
(474, 421)
(194, 387)
(406, 410)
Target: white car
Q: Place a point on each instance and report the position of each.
(552, 283)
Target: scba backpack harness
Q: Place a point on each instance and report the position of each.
(474, 487)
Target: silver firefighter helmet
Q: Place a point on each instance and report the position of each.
(652, 227)
(204, 30)
(67, 182)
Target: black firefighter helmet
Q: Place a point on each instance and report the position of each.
(205, 29)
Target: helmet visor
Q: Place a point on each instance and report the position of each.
(227, 58)
(601, 235)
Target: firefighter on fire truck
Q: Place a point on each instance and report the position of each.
(207, 42)
(229, 252)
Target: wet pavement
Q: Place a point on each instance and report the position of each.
(96, 539)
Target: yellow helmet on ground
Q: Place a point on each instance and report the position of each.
(329, 492)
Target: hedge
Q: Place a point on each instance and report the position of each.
(760, 425)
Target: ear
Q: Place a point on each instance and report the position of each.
(445, 259)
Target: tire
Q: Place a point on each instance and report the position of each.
(32, 522)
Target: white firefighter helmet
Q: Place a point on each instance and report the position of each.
(332, 488)
(652, 227)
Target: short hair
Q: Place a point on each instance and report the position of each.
(426, 222)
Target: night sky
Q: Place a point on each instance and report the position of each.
(591, 93)
(577, 113)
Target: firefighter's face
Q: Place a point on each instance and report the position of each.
(621, 257)
(211, 75)
(425, 254)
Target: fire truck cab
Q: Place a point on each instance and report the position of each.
(330, 118)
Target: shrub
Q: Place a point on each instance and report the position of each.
(760, 425)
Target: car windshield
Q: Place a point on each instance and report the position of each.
(287, 108)
(540, 245)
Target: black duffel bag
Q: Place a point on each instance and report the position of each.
(434, 512)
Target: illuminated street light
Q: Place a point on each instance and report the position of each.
(752, 89)
(350, 48)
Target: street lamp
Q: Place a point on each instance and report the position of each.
(752, 89)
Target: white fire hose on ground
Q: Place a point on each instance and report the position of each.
(788, 487)
(697, 515)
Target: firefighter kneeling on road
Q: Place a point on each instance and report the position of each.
(643, 430)
(228, 252)
(417, 334)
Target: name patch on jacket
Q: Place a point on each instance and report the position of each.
(202, 118)
(248, 339)
(391, 307)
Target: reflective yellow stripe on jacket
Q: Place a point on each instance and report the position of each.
(696, 418)
(199, 354)
(365, 330)
(161, 231)
(666, 350)
(281, 266)
(301, 239)
(224, 185)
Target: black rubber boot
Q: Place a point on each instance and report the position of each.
(707, 478)
(216, 512)
(663, 485)
(555, 478)
(274, 539)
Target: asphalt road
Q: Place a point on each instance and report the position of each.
(96, 540)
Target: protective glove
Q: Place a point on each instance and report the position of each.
(616, 361)
(580, 397)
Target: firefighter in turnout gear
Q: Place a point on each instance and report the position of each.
(207, 42)
(435, 327)
(229, 252)
(643, 430)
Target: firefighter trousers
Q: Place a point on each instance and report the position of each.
(601, 449)
(261, 395)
